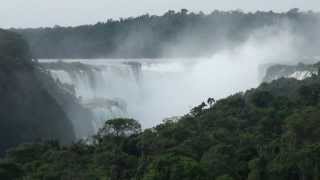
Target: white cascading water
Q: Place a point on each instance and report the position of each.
(104, 89)
(151, 90)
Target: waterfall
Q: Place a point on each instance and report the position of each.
(151, 90)
(104, 89)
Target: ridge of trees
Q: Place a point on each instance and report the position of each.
(173, 34)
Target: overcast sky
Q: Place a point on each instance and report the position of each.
(37, 13)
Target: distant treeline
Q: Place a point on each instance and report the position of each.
(174, 34)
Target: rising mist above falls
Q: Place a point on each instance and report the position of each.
(151, 90)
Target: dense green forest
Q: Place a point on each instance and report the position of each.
(174, 34)
(268, 133)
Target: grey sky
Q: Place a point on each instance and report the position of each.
(36, 13)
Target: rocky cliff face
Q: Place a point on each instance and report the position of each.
(299, 71)
(28, 111)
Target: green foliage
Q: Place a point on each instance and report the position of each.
(172, 167)
(120, 127)
(10, 171)
(224, 177)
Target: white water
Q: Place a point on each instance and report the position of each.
(300, 75)
(161, 88)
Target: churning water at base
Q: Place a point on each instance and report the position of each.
(150, 90)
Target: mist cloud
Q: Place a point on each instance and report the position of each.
(187, 83)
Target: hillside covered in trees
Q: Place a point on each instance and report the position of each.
(33, 106)
(27, 110)
(174, 34)
(267, 133)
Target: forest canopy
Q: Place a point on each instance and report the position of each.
(173, 34)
